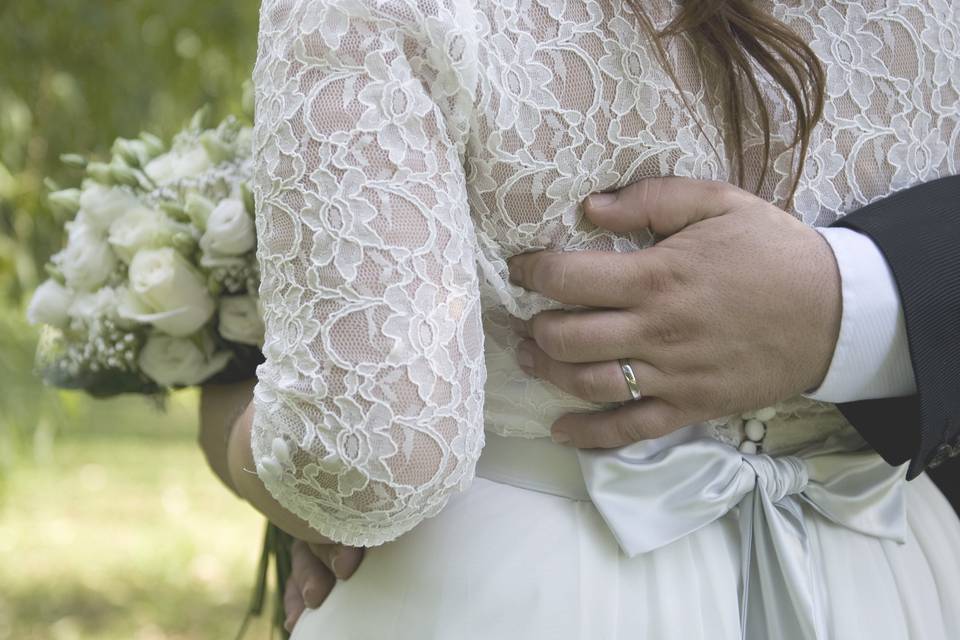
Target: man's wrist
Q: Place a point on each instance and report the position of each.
(871, 358)
(826, 313)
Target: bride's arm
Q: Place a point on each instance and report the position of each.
(226, 412)
(367, 414)
(221, 406)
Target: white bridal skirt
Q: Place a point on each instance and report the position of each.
(502, 562)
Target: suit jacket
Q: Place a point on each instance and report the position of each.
(918, 231)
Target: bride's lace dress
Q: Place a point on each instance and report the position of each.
(406, 149)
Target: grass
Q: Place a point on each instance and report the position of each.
(119, 530)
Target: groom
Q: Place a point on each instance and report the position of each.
(741, 306)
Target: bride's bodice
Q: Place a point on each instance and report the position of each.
(570, 100)
(406, 149)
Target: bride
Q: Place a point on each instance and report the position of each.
(405, 150)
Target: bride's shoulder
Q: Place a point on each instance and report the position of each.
(385, 13)
(444, 30)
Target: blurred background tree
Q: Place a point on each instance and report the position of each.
(75, 75)
(110, 524)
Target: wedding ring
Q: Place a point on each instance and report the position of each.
(631, 378)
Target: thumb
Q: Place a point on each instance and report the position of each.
(663, 205)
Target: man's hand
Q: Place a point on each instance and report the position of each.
(738, 308)
(316, 568)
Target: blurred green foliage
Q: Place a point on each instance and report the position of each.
(120, 530)
(75, 74)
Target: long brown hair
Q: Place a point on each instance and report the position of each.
(731, 33)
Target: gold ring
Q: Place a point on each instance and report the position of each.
(631, 378)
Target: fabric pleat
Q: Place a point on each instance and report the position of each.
(506, 563)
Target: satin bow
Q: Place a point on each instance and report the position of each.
(654, 492)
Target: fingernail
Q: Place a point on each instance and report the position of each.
(525, 357)
(560, 437)
(601, 199)
(335, 564)
(288, 624)
(310, 596)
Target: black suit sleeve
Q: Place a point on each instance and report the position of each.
(918, 231)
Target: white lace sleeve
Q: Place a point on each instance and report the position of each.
(368, 408)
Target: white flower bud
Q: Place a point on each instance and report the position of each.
(154, 144)
(135, 153)
(122, 174)
(240, 320)
(49, 304)
(177, 165)
(172, 295)
(230, 230)
(87, 260)
(216, 148)
(102, 205)
(178, 361)
(142, 228)
(67, 201)
(100, 172)
(101, 303)
(198, 209)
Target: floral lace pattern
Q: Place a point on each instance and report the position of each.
(406, 148)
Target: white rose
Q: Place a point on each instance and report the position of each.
(230, 230)
(179, 361)
(87, 259)
(170, 290)
(49, 304)
(98, 304)
(103, 205)
(142, 229)
(240, 320)
(177, 165)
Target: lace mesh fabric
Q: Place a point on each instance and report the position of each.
(406, 148)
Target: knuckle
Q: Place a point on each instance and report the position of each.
(654, 275)
(666, 333)
(543, 273)
(725, 194)
(586, 383)
(634, 194)
(626, 430)
(648, 192)
(552, 336)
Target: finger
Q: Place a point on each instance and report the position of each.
(293, 606)
(591, 278)
(340, 559)
(584, 336)
(592, 381)
(642, 420)
(309, 573)
(663, 205)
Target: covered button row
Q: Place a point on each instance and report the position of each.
(754, 428)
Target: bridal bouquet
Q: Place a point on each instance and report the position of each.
(156, 286)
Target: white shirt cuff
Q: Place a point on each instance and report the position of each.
(872, 359)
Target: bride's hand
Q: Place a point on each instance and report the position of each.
(316, 568)
(737, 309)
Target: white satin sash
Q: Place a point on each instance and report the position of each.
(654, 492)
